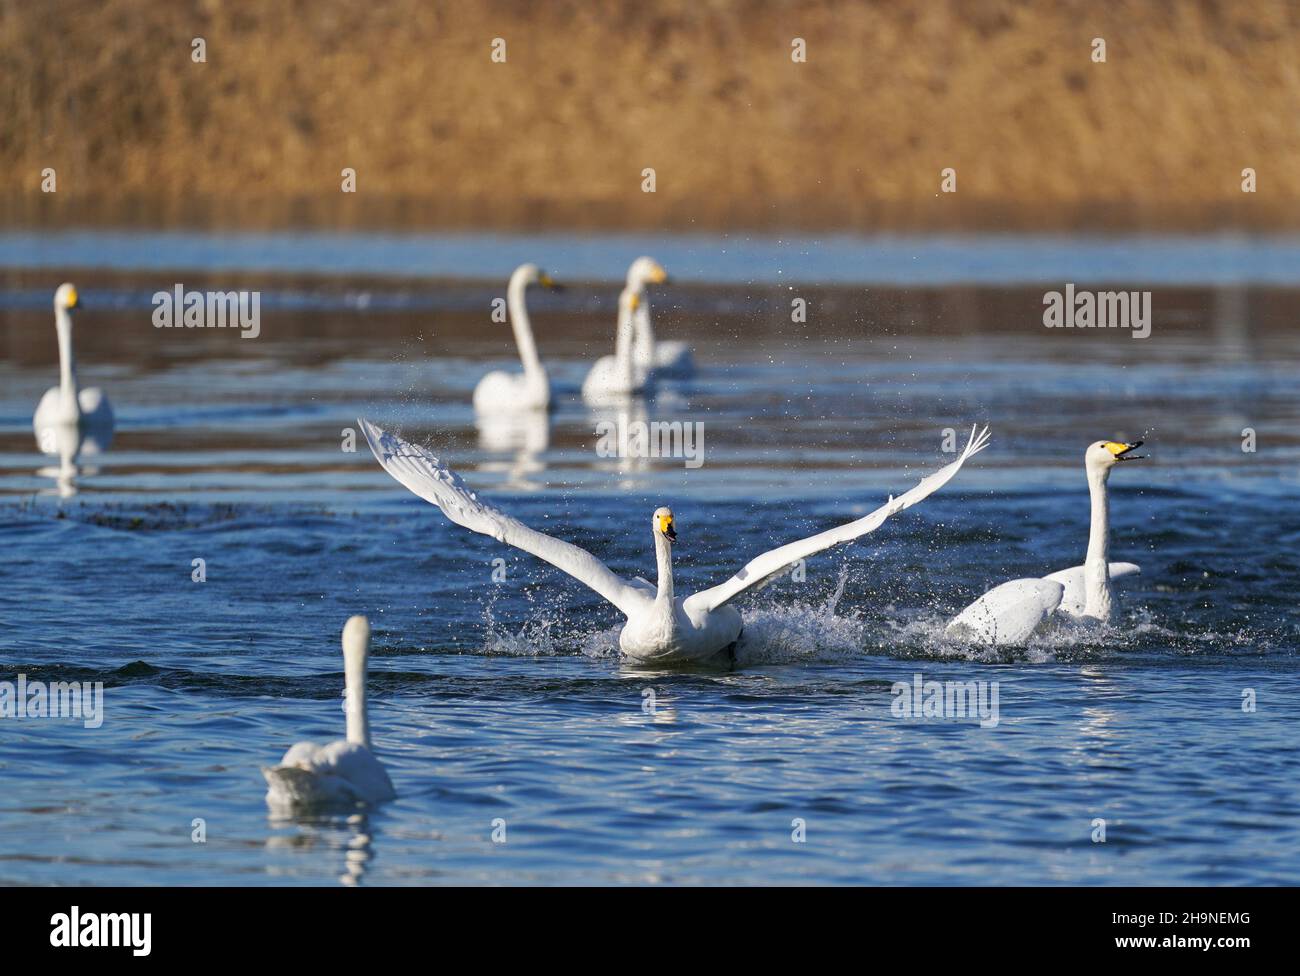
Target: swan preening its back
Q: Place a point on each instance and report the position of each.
(344, 773)
(69, 419)
(661, 626)
(1010, 614)
(500, 391)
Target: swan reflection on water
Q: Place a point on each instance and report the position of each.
(526, 436)
(352, 835)
(69, 444)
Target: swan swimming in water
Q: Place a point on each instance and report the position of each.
(614, 378)
(661, 626)
(1008, 615)
(344, 772)
(670, 359)
(66, 414)
(499, 391)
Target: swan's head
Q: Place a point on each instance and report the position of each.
(664, 524)
(356, 639)
(645, 271)
(66, 297)
(1104, 455)
(531, 274)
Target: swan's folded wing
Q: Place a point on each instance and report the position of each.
(433, 481)
(1007, 615)
(1076, 595)
(760, 570)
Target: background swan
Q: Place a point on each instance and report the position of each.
(616, 377)
(500, 391)
(670, 359)
(345, 772)
(1012, 613)
(66, 413)
(661, 626)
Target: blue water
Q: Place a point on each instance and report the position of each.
(881, 259)
(505, 700)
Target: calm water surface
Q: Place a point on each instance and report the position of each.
(504, 699)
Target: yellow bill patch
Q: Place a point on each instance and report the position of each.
(664, 522)
(72, 297)
(1116, 448)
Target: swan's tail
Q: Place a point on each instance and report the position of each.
(294, 788)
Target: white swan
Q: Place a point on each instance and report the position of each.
(67, 414)
(614, 378)
(499, 391)
(1010, 614)
(661, 626)
(670, 359)
(345, 772)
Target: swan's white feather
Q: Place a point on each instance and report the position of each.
(673, 359)
(1008, 614)
(1076, 597)
(337, 773)
(769, 565)
(501, 392)
(422, 473)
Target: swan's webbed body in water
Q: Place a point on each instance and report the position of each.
(1012, 613)
(661, 627)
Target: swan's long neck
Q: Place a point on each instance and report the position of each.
(1096, 565)
(623, 354)
(67, 360)
(664, 556)
(523, 329)
(645, 335)
(354, 684)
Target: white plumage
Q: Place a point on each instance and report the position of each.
(661, 627)
(1010, 614)
(503, 392)
(615, 378)
(70, 420)
(344, 773)
(669, 359)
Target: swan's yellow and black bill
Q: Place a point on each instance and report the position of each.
(634, 301)
(546, 281)
(658, 276)
(666, 527)
(72, 299)
(1121, 450)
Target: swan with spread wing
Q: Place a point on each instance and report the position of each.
(661, 627)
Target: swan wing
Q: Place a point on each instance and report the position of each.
(761, 569)
(1076, 596)
(96, 411)
(433, 481)
(1009, 614)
